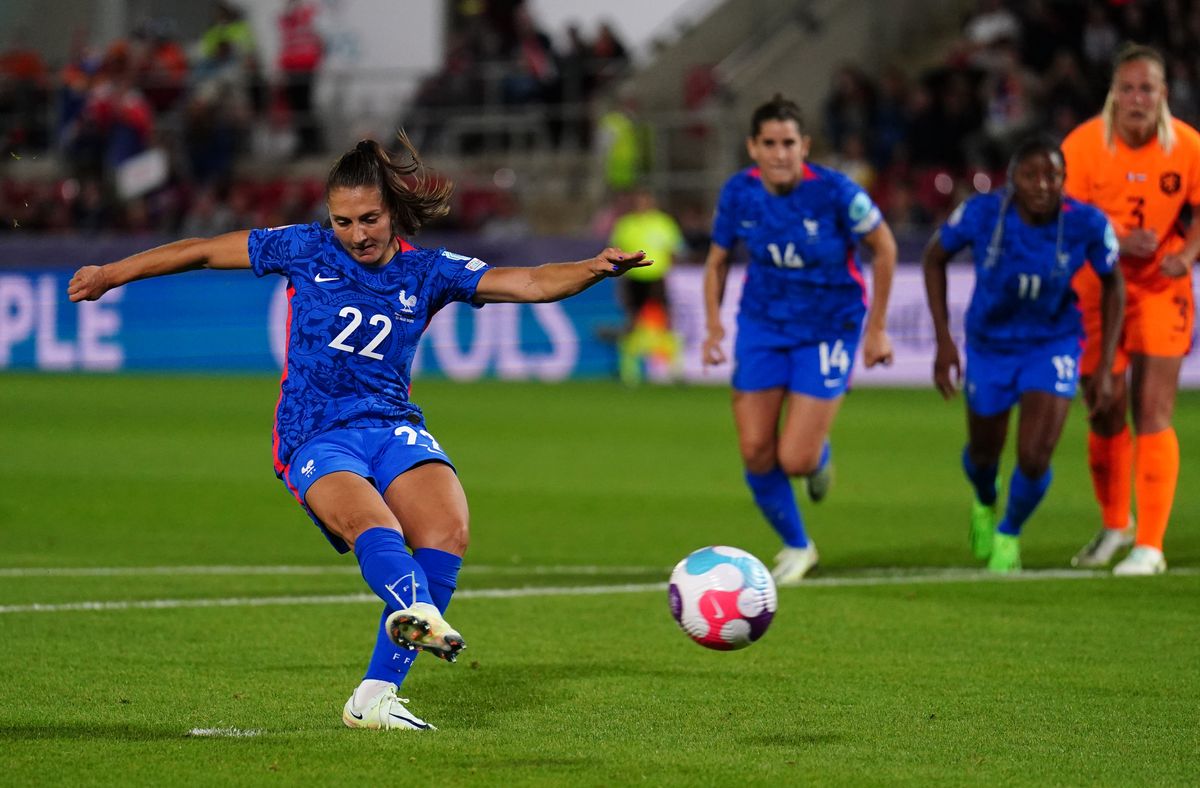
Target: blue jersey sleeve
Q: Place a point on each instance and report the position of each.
(859, 212)
(457, 277)
(1103, 249)
(272, 251)
(961, 228)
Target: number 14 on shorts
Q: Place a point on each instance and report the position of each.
(834, 357)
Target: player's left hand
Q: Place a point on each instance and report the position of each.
(1174, 265)
(1098, 394)
(877, 348)
(947, 369)
(615, 262)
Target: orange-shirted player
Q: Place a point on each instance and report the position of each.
(1142, 168)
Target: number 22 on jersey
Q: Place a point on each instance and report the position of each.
(356, 317)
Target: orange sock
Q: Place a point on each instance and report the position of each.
(1111, 462)
(1157, 473)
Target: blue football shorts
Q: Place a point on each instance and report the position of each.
(766, 357)
(378, 454)
(996, 380)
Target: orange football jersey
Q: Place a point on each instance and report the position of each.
(1142, 187)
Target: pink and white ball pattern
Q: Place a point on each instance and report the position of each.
(722, 597)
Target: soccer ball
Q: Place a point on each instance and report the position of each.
(722, 597)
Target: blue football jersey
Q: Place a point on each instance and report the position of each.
(352, 329)
(803, 246)
(1023, 272)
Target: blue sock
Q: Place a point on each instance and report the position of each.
(389, 662)
(1023, 497)
(441, 570)
(826, 454)
(389, 569)
(398, 579)
(982, 479)
(777, 501)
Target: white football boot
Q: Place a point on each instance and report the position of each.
(1104, 545)
(384, 711)
(421, 627)
(1141, 561)
(793, 563)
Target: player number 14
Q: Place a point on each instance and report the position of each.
(787, 258)
(833, 357)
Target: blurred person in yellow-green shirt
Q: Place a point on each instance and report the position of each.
(648, 346)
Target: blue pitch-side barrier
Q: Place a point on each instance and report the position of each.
(230, 321)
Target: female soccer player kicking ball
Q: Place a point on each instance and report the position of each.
(1023, 332)
(801, 315)
(349, 444)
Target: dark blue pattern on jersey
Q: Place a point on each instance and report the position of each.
(353, 329)
(1024, 294)
(803, 246)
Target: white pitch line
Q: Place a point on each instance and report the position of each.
(950, 575)
(515, 569)
(236, 733)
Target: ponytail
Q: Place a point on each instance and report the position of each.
(411, 196)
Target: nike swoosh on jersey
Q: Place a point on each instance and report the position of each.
(319, 278)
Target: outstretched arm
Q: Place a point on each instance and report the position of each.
(228, 251)
(553, 281)
(716, 271)
(947, 368)
(877, 346)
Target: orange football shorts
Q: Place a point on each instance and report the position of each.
(1160, 315)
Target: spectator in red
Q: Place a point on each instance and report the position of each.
(23, 87)
(300, 51)
(160, 63)
(116, 121)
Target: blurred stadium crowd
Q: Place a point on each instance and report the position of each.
(921, 145)
(155, 134)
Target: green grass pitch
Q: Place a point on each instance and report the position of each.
(227, 611)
